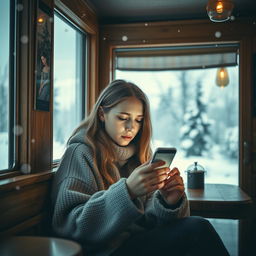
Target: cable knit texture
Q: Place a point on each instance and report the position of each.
(101, 220)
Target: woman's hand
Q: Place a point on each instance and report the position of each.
(146, 178)
(174, 188)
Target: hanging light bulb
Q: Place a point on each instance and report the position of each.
(219, 7)
(219, 10)
(222, 78)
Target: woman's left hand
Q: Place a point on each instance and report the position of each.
(174, 188)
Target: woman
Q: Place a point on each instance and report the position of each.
(44, 88)
(110, 198)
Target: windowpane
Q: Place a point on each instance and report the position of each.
(194, 115)
(69, 45)
(4, 84)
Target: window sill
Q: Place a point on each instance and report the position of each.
(10, 182)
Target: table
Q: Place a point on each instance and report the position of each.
(223, 201)
(219, 201)
(39, 246)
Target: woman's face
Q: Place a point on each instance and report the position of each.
(124, 120)
(43, 59)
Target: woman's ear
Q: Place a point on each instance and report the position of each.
(101, 114)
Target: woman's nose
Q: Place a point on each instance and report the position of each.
(129, 125)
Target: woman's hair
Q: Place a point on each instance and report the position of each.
(96, 137)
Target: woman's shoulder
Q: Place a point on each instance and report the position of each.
(76, 163)
(79, 149)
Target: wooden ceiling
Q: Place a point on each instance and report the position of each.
(126, 11)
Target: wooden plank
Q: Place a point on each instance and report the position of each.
(23, 203)
(23, 226)
(24, 180)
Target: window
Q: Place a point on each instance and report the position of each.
(189, 111)
(69, 82)
(7, 53)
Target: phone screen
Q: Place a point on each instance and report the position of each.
(165, 154)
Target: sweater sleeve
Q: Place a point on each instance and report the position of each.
(85, 214)
(156, 211)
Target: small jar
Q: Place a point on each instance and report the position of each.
(195, 176)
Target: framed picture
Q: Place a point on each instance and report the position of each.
(43, 67)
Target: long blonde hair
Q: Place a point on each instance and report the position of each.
(95, 136)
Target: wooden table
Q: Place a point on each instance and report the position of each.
(219, 201)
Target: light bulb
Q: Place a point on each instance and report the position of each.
(219, 7)
(222, 78)
(222, 74)
(40, 20)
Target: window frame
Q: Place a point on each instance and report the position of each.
(243, 143)
(12, 139)
(12, 89)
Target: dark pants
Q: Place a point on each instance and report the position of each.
(187, 236)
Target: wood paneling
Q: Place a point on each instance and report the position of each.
(24, 202)
(167, 33)
(245, 110)
(254, 122)
(34, 145)
(80, 13)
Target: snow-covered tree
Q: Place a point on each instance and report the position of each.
(230, 147)
(195, 133)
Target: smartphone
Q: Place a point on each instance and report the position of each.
(165, 154)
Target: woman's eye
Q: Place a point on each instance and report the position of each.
(139, 121)
(122, 118)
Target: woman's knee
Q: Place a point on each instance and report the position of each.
(198, 221)
(198, 225)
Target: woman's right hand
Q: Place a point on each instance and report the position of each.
(146, 179)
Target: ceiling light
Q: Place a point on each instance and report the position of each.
(219, 10)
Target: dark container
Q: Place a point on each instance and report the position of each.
(195, 176)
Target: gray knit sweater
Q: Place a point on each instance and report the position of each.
(101, 220)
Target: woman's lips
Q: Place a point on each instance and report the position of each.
(127, 137)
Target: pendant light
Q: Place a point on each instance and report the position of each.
(222, 78)
(219, 10)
